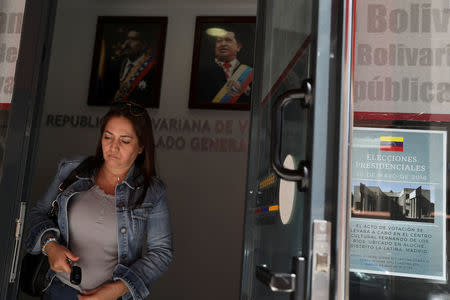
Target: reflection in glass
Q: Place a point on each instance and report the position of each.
(400, 82)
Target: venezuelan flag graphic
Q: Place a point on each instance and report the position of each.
(391, 143)
(267, 209)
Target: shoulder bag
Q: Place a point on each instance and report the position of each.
(35, 267)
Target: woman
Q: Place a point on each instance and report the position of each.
(109, 205)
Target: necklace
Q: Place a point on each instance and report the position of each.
(107, 172)
(107, 180)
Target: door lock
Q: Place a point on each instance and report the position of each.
(278, 282)
(320, 282)
(285, 282)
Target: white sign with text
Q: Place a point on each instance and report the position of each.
(402, 57)
(11, 16)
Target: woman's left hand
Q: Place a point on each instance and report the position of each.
(107, 291)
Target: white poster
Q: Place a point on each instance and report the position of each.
(402, 58)
(11, 16)
(398, 224)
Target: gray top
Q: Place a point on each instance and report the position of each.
(93, 237)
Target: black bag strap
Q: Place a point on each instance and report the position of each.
(84, 166)
(81, 168)
(53, 212)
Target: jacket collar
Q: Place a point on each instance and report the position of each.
(133, 180)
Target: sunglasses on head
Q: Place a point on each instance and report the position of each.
(134, 108)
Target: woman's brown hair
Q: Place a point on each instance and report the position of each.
(142, 125)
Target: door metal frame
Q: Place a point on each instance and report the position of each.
(329, 186)
(23, 128)
(344, 183)
(326, 140)
(253, 138)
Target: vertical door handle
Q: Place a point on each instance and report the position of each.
(17, 243)
(304, 95)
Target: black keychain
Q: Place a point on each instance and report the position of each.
(75, 274)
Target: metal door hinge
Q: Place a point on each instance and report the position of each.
(17, 242)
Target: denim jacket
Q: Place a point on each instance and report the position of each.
(149, 223)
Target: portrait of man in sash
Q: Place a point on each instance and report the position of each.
(222, 77)
(128, 59)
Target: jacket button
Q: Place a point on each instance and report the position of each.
(124, 256)
(123, 230)
(121, 188)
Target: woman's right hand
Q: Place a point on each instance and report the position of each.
(58, 256)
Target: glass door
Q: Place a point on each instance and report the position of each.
(349, 201)
(10, 33)
(399, 218)
(22, 80)
(291, 189)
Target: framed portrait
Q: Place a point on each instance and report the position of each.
(128, 60)
(222, 64)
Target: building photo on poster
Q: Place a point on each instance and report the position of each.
(398, 202)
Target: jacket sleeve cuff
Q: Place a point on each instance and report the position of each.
(135, 284)
(34, 245)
